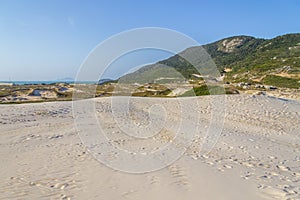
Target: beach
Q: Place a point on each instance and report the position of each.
(256, 156)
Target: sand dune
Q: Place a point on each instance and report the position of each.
(256, 157)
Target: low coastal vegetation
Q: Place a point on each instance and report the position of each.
(245, 65)
(205, 90)
(279, 81)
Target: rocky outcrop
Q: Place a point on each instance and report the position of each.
(229, 46)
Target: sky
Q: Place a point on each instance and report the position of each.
(50, 39)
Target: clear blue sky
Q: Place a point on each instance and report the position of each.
(49, 39)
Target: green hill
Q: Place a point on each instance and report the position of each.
(241, 58)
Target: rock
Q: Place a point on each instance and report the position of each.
(270, 87)
(229, 45)
(260, 93)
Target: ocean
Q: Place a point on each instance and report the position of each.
(47, 82)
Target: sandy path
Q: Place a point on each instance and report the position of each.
(256, 157)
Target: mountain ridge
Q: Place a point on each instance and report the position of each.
(246, 58)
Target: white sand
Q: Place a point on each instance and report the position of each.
(256, 157)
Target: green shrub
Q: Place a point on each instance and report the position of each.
(279, 81)
(205, 90)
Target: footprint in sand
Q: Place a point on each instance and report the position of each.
(179, 175)
(273, 193)
(227, 166)
(283, 168)
(154, 180)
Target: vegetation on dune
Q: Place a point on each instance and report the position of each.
(279, 81)
(208, 90)
(163, 93)
(4, 93)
